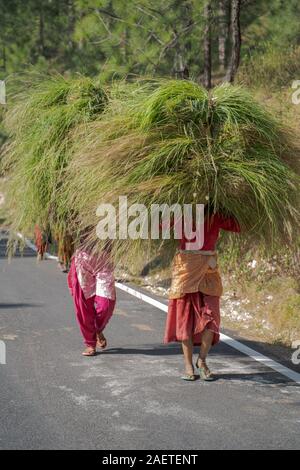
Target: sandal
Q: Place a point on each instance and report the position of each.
(101, 340)
(204, 372)
(89, 351)
(189, 377)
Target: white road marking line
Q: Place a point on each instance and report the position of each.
(143, 297)
(268, 362)
(292, 375)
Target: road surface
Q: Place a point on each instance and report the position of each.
(130, 396)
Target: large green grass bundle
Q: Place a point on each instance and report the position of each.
(40, 121)
(175, 142)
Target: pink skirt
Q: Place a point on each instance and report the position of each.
(190, 315)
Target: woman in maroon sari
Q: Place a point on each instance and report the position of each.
(194, 300)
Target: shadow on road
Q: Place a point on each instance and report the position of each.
(19, 305)
(263, 377)
(151, 350)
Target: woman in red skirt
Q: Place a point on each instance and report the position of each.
(41, 239)
(194, 300)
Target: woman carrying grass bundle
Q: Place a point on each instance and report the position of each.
(92, 286)
(65, 251)
(41, 239)
(194, 300)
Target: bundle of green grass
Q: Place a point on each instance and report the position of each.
(177, 143)
(41, 120)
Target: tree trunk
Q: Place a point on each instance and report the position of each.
(124, 37)
(41, 32)
(236, 40)
(71, 22)
(223, 32)
(180, 67)
(207, 45)
(4, 58)
(182, 41)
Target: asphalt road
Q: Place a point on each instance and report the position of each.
(129, 397)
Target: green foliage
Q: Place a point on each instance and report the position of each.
(118, 38)
(273, 69)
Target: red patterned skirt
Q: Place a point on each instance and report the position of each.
(190, 315)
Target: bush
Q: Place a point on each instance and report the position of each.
(275, 68)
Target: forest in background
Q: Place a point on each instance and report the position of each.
(187, 38)
(174, 38)
(115, 37)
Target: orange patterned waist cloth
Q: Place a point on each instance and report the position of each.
(195, 271)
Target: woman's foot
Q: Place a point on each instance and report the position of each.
(189, 374)
(203, 369)
(101, 340)
(89, 351)
(63, 267)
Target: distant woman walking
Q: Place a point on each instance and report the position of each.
(92, 286)
(41, 239)
(65, 251)
(194, 300)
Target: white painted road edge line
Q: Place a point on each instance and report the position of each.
(285, 371)
(292, 375)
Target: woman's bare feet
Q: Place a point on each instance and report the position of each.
(101, 340)
(89, 351)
